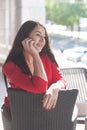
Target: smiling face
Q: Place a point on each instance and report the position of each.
(38, 35)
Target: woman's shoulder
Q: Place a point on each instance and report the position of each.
(8, 66)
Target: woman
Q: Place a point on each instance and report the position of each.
(31, 65)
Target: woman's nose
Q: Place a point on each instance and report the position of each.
(42, 38)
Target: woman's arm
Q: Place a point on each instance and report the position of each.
(51, 95)
(19, 79)
(38, 67)
(30, 49)
(58, 83)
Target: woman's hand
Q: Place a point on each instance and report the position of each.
(50, 97)
(29, 46)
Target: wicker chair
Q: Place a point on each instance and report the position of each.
(77, 78)
(27, 112)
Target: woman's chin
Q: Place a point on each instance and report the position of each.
(39, 50)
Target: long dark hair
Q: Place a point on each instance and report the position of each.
(16, 53)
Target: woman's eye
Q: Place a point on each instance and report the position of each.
(38, 34)
(44, 37)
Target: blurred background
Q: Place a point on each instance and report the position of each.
(65, 21)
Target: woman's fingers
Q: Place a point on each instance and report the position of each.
(54, 103)
(49, 102)
(28, 45)
(25, 43)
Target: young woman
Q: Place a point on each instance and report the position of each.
(31, 65)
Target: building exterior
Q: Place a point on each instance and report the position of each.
(12, 14)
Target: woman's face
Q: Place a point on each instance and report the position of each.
(38, 35)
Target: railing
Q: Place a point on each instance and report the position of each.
(77, 78)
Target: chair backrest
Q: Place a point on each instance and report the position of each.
(28, 114)
(77, 78)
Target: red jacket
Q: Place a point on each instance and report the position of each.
(18, 79)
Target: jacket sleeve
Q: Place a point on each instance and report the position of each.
(18, 79)
(57, 74)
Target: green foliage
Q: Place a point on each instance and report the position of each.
(65, 13)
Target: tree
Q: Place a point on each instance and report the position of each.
(65, 13)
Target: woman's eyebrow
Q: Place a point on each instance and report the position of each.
(39, 32)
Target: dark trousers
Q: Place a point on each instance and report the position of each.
(6, 118)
